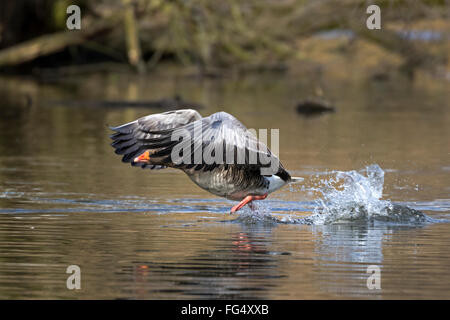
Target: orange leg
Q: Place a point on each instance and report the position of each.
(247, 199)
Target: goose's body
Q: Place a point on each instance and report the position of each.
(235, 183)
(151, 142)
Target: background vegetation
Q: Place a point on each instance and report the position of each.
(219, 36)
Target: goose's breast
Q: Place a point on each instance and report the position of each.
(213, 181)
(231, 183)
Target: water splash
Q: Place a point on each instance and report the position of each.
(356, 196)
(261, 214)
(349, 196)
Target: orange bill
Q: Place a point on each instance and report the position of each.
(145, 157)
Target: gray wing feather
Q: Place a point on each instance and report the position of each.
(220, 131)
(130, 139)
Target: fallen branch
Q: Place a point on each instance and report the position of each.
(48, 44)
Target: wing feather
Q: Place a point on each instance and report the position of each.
(220, 132)
(133, 138)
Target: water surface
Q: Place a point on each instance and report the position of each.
(66, 198)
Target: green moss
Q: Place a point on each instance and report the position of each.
(59, 14)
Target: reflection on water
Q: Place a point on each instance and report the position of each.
(66, 198)
(238, 267)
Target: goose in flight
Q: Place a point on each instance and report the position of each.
(217, 153)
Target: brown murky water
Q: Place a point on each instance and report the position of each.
(66, 198)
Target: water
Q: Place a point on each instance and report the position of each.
(421, 35)
(376, 192)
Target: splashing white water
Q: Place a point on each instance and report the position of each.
(352, 195)
(349, 196)
(356, 196)
(261, 213)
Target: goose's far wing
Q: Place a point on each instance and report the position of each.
(130, 139)
(207, 143)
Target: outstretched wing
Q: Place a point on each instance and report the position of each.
(204, 144)
(128, 139)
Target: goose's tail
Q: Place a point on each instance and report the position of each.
(296, 179)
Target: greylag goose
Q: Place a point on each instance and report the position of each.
(217, 153)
